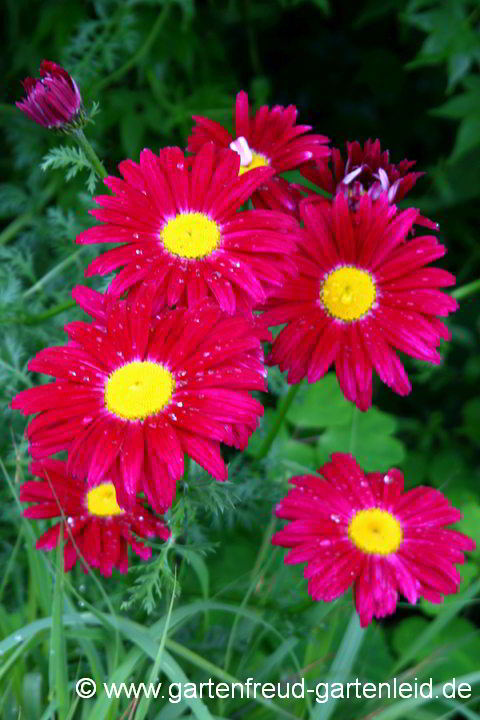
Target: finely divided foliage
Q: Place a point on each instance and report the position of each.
(260, 246)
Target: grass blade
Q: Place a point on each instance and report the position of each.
(58, 670)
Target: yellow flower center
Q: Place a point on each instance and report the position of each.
(348, 293)
(375, 531)
(139, 389)
(191, 235)
(102, 500)
(257, 161)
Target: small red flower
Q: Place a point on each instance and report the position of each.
(269, 138)
(132, 395)
(362, 292)
(359, 529)
(53, 100)
(366, 170)
(94, 525)
(182, 236)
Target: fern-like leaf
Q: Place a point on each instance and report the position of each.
(71, 159)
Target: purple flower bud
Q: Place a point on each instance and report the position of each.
(53, 100)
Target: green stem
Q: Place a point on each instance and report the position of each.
(281, 412)
(28, 216)
(97, 164)
(186, 467)
(216, 672)
(38, 319)
(466, 290)
(54, 271)
(353, 430)
(264, 549)
(11, 562)
(135, 59)
(16, 225)
(342, 665)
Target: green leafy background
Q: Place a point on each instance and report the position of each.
(406, 72)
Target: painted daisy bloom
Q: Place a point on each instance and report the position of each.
(53, 100)
(362, 292)
(359, 529)
(95, 526)
(131, 396)
(366, 170)
(182, 235)
(268, 139)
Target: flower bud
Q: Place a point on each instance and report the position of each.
(53, 100)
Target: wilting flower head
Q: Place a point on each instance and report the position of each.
(94, 525)
(359, 529)
(53, 100)
(362, 292)
(132, 395)
(182, 235)
(366, 170)
(268, 139)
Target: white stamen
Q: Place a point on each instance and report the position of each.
(383, 177)
(393, 190)
(240, 146)
(352, 175)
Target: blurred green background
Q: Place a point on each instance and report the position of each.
(403, 71)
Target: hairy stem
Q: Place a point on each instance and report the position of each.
(95, 161)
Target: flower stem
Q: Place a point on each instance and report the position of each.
(135, 59)
(466, 290)
(282, 411)
(29, 216)
(55, 270)
(353, 430)
(186, 467)
(97, 164)
(56, 310)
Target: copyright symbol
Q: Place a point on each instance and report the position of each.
(85, 688)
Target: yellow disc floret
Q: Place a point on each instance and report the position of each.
(257, 161)
(139, 389)
(375, 531)
(191, 235)
(348, 293)
(102, 501)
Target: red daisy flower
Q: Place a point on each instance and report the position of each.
(269, 138)
(361, 292)
(95, 526)
(367, 170)
(53, 100)
(359, 529)
(183, 236)
(132, 396)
